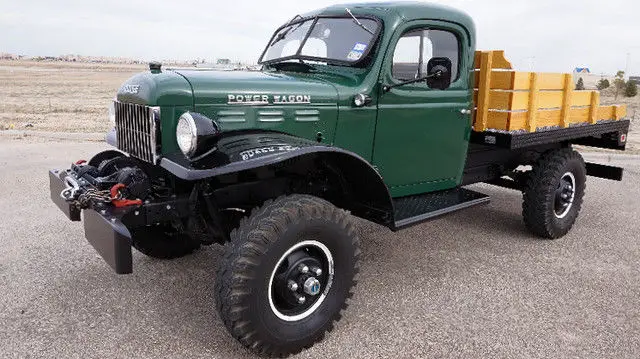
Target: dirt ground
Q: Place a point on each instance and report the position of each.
(73, 97)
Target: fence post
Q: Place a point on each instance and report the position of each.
(533, 103)
(566, 101)
(484, 90)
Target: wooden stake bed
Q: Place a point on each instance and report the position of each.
(512, 101)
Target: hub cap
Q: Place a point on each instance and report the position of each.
(565, 193)
(300, 280)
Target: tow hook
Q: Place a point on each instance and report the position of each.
(116, 197)
(71, 191)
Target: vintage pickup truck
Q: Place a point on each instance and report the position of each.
(381, 111)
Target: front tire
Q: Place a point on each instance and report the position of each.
(554, 192)
(287, 273)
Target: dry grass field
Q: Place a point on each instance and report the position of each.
(59, 96)
(73, 97)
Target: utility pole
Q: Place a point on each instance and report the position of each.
(626, 66)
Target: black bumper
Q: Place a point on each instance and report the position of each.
(103, 229)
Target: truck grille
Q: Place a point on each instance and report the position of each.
(136, 130)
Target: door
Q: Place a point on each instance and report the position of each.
(422, 134)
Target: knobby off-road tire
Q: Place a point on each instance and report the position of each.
(265, 253)
(554, 192)
(163, 242)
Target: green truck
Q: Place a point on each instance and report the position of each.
(359, 110)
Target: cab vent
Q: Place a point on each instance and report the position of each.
(231, 116)
(307, 115)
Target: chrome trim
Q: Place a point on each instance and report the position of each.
(136, 130)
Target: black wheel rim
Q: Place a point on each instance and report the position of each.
(301, 280)
(564, 195)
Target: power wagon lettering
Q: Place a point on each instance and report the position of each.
(267, 100)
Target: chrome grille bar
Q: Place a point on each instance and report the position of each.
(136, 131)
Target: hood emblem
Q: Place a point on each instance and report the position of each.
(130, 89)
(268, 99)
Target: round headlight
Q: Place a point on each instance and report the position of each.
(112, 113)
(187, 134)
(196, 135)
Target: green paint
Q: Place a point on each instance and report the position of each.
(417, 137)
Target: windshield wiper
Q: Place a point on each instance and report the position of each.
(281, 36)
(358, 22)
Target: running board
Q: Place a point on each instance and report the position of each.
(416, 209)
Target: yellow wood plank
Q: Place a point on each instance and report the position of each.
(606, 112)
(580, 98)
(498, 120)
(513, 121)
(566, 100)
(533, 104)
(517, 120)
(620, 111)
(483, 92)
(579, 115)
(551, 81)
(595, 102)
(500, 80)
(548, 118)
(517, 80)
(497, 58)
(501, 100)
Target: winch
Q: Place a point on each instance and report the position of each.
(87, 185)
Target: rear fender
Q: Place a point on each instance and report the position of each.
(242, 151)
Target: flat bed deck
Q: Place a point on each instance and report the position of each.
(610, 134)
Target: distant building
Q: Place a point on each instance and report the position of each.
(590, 79)
(635, 79)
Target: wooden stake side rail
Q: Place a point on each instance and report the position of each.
(514, 101)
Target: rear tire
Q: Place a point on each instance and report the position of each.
(554, 193)
(262, 275)
(163, 242)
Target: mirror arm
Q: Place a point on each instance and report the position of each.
(387, 88)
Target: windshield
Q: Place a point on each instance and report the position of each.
(331, 40)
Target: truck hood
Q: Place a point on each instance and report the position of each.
(249, 88)
(295, 103)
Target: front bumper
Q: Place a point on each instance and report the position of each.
(103, 228)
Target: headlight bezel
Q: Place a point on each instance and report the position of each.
(186, 121)
(203, 132)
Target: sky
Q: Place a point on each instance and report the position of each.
(540, 35)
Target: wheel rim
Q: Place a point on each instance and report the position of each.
(564, 196)
(304, 271)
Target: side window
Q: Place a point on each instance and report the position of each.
(416, 47)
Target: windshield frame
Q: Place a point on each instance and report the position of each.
(298, 55)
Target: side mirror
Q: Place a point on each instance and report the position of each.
(439, 70)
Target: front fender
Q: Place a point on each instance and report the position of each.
(246, 151)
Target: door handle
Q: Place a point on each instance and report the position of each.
(465, 111)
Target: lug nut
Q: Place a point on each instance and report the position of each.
(303, 268)
(302, 299)
(317, 271)
(293, 286)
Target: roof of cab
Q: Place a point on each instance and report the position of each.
(391, 12)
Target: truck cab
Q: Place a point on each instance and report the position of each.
(380, 111)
